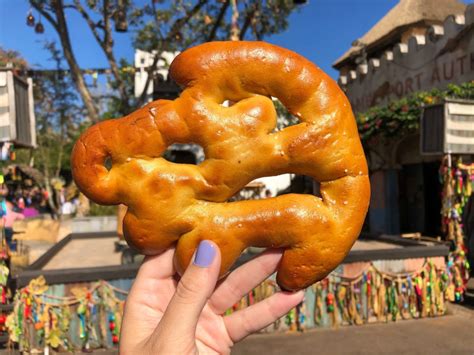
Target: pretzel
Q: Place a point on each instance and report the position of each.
(183, 204)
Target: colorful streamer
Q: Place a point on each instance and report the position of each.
(91, 318)
(42, 321)
(458, 182)
(371, 296)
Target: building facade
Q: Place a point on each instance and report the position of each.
(417, 46)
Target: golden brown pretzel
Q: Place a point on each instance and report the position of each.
(169, 203)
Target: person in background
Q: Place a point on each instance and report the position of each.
(21, 202)
(30, 212)
(8, 219)
(42, 199)
(68, 209)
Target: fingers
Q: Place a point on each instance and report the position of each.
(156, 267)
(150, 291)
(243, 280)
(260, 315)
(192, 293)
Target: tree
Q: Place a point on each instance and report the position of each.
(184, 24)
(13, 58)
(160, 26)
(58, 124)
(53, 11)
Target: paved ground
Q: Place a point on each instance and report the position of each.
(89, 252)
(451, 334)
(373, 244)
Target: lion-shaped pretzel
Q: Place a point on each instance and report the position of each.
(183, 204)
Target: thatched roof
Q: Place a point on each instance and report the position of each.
(29, 171)
(405, 13)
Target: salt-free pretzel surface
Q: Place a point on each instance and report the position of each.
(172, 203)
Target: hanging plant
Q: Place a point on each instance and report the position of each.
(403, 116)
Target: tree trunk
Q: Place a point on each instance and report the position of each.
(49, 189)
(107, 44)
(175, 28)
(234, 29)
(120, 84)
(71, 60)
(84, 206)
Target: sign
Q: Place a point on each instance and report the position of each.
(444, 55)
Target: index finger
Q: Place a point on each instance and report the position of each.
(156, 267)
(244, 279)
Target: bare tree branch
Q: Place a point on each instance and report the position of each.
(234, 26)
(107, 43)
(252, 14)
(157, 20)
(45, 14)
(218, 22)
(107, 29)
(175, 29)
(92, 25)
(60, 25)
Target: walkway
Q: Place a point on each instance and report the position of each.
(451, 334)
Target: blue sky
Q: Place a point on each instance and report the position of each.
(321, 31)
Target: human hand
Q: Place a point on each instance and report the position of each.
(166, 316)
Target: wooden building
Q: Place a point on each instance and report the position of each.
(417, 46)
(17, 116)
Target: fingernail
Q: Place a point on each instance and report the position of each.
(204, 254)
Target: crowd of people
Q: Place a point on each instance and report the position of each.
(19, 204)
(31, 202)
(21, 196)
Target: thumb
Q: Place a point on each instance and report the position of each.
(193, 291)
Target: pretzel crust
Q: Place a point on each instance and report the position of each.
(183, 204)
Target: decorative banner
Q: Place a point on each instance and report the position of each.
(91, 317)
(371, 296)
(42, 321)
(458, 181)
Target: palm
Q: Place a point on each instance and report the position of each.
(156, 284)
(211, 333)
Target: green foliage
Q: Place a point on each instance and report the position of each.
(167, 24)
(116, 106)
(157, 26)
(403, 116)
(99, 210)
(175, 25)
(58, 118)
(13, 57)
(284, 117)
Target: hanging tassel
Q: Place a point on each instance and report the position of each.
(469, 185)
(341, 295)
(459, 182)
(4, 295)
(318, 304)
(330, 302)
(382, 299)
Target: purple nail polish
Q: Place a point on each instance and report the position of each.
(204, 254)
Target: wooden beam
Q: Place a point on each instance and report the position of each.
(88, 274)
